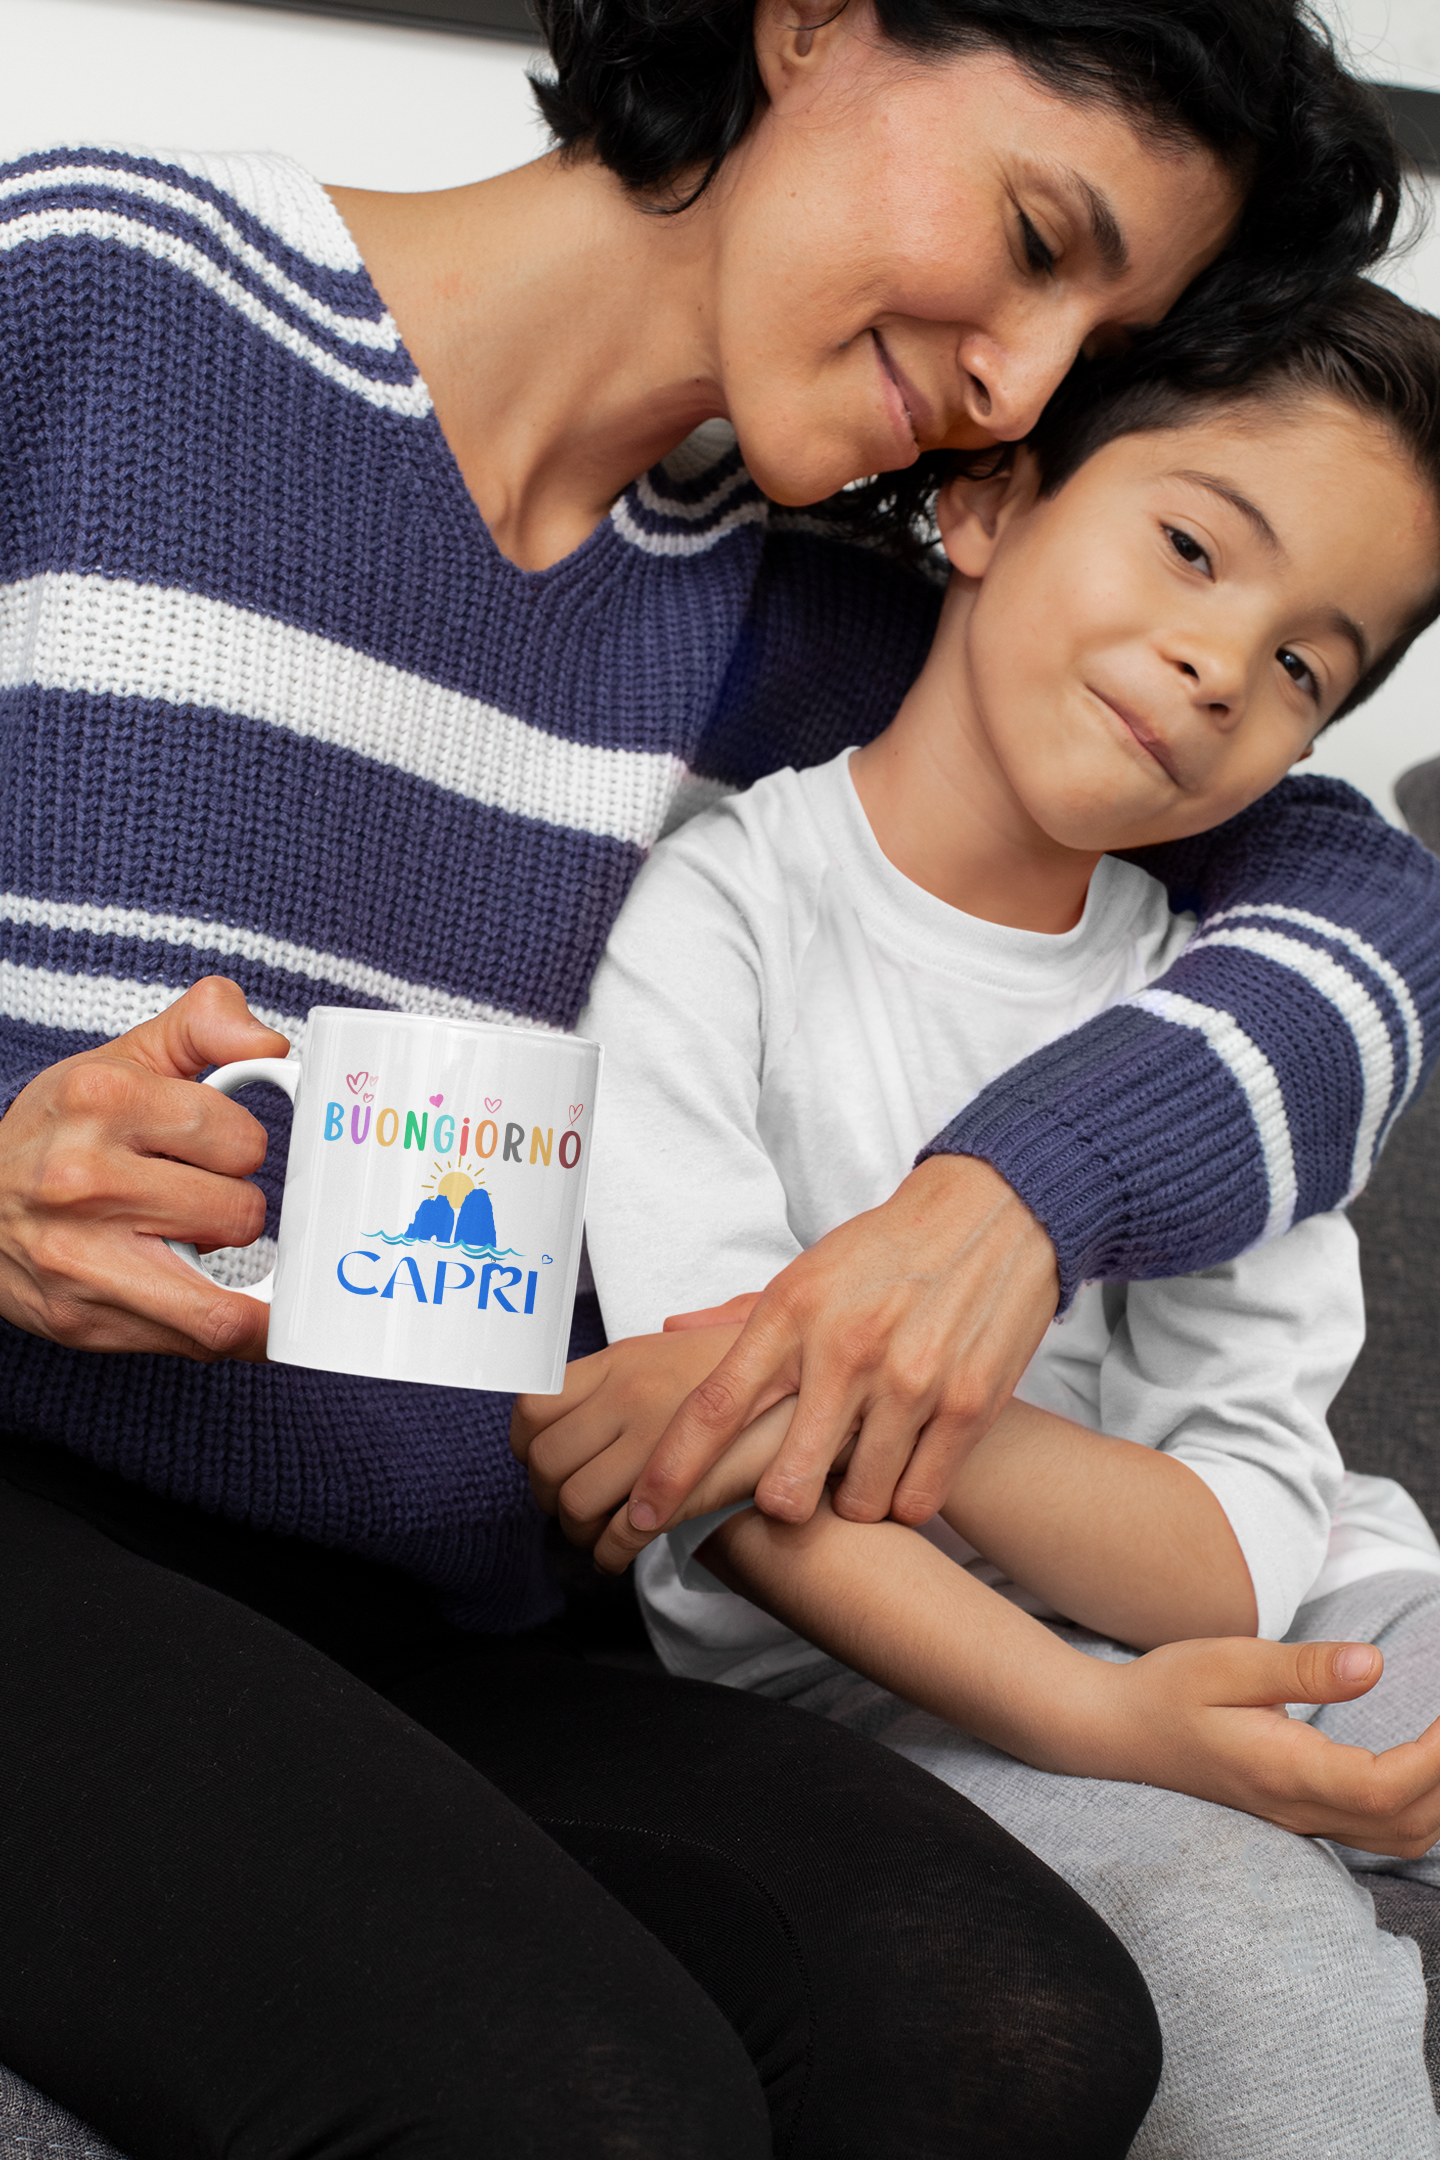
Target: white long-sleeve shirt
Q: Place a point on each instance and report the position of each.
(787, 1019)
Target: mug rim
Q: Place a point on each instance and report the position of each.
(556, 1036)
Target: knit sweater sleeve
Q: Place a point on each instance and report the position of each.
(1254, 1084)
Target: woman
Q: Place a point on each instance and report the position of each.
(361, 664)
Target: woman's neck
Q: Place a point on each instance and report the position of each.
(946, 815)
(563, 334)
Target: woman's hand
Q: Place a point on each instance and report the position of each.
(910, 1324)
(107, 1153)
(585, 1447)
(1209, 1718)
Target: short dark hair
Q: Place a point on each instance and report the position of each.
(1365, 347)
(661, 91)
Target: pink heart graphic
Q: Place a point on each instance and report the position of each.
(437, 1100)
(492, 1102)
(575, 1109)
(368, 1098)
(356, 1081)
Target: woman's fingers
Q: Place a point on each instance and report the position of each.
(129, 1293)
(107, 1153)
(598, 1434)
(755, 1373)
(733, 1477)
(587, 1500)
(922, 1313)
(210, 1025)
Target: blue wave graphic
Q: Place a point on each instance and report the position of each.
(472, 1252)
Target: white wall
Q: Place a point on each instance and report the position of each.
(393, 108)
(1396, 41)
(360, 104)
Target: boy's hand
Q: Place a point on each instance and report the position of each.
(585, 1447)
(911, 1323)
(1209, 1718)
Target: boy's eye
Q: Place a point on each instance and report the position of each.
(1298, 672)
(1185, 547)
(1037, 254)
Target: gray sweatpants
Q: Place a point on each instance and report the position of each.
(1292, 2024)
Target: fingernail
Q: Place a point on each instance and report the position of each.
(642, 1515)
(1354, 1662)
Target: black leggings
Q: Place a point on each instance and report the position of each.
(473, 1897)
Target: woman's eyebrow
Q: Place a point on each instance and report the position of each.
(1110, 244)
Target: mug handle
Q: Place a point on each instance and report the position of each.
(285, 1072)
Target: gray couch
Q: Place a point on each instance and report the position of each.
(1387, 1420)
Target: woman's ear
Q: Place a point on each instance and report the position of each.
(973, 514)
(794, 40)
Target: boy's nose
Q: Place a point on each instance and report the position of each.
(1215, 684)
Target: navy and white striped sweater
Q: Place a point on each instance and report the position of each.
(273, 704)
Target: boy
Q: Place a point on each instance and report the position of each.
(1152, 614)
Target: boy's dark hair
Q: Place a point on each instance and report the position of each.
(1365, 347)
(662, 90)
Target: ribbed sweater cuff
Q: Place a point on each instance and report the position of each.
(1131, 1146)
(1061, 1174)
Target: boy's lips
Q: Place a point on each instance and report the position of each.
(1143, 733)
(916, 409)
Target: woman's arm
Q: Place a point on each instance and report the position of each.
(1250, 1087)
(1200, 1717)
(1253, 1084)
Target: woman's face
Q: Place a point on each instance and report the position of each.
(910, 254)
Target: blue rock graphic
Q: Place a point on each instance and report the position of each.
(435, 1218)
(477, 1219)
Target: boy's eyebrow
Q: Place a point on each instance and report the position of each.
(1334, 618)
(1253, 515)
(1346, 626)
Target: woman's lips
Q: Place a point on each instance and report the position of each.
(908, 410)
(1143, 734)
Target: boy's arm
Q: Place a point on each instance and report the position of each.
(1124, 1539)
(1200, 1717)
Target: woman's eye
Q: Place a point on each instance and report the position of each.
(1298, 672)
(1188, 549)
(1037, 254)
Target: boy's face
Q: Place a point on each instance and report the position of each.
(1149, 649)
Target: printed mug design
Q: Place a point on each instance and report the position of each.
(456, 1213)
(431, 1223)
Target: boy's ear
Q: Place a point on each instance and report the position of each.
(972, 514)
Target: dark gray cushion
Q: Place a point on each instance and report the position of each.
(1418, 794)
(1413, 1909)
(1387, 1416)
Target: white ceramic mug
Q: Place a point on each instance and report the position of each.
(434, 1198)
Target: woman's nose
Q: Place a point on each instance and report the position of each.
(1007, 382)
